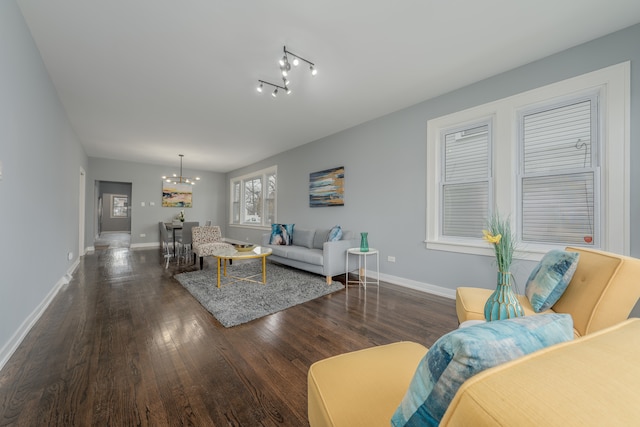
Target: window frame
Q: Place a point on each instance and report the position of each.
(237, 219)
(596, 125)
(487, 121)
(613, 84)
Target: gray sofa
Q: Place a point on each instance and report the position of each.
(310, 251)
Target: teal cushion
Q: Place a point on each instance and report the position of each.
(335, 234)
(281, 234)
(460, 354)
(548, 281)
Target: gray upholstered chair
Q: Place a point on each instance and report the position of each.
(186, 239)
(166, 244)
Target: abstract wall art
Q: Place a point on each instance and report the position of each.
(177, 195)
(326, 188)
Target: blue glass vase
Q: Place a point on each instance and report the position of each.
(364, 242)
(503, 302)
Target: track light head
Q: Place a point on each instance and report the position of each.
(288, 90)
(260, 88)
(313, 70)
(296, 61)
(275, 93)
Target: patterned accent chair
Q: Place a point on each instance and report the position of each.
(206, 240)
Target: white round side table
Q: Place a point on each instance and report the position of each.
(362, 267)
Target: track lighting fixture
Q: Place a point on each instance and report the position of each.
(285, 68)
(275, 87)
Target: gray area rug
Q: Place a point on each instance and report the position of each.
(241, 302)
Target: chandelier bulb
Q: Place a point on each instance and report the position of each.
(296, 61)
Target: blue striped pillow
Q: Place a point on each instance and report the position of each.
(461, 354)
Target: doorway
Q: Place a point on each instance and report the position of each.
(113, 215)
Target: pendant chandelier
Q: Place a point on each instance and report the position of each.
(179, 179)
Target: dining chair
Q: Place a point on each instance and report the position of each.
(186, 239)
(168, 248)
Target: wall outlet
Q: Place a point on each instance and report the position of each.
(391, 258)
(143, 235)
(70, 256)
(152, 203)
(142, 204)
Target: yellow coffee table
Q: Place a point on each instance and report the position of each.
(232, 253)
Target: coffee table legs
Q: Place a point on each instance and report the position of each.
(222, 264)
(219, 261)
(264, 270)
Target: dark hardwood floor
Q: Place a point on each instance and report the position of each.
(124, 344)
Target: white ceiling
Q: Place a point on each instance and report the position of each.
(145, 80)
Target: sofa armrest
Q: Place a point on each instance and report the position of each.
(265, 239)
(334, 256)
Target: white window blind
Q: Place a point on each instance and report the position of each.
(465, 188)
(559, 179)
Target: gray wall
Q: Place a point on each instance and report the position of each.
(385, 177)
(39, 191)
(209, 197)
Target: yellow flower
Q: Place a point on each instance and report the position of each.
(491, 238)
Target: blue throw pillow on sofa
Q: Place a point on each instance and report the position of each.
(335, 234)
(550, 278)
(281, 234)
(460, 354)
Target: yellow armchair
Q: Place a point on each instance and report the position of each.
(603, 291)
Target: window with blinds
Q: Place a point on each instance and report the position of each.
(559, 177)
(465, 183)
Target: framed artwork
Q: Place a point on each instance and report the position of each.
(177, 195)
(119, 206)
(326, 188)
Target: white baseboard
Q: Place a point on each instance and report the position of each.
(145, 245)
(12, 345)
(412, 284)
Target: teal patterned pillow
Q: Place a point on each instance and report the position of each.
(281, 234)
(548, 281)
(461, 354)
(335, 234)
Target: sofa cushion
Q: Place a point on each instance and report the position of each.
(460, 354)
(319, 238)
(280, 250)
(335, 234)
(302, 237)
(550, 278)
(310, 256)
(281, 234)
